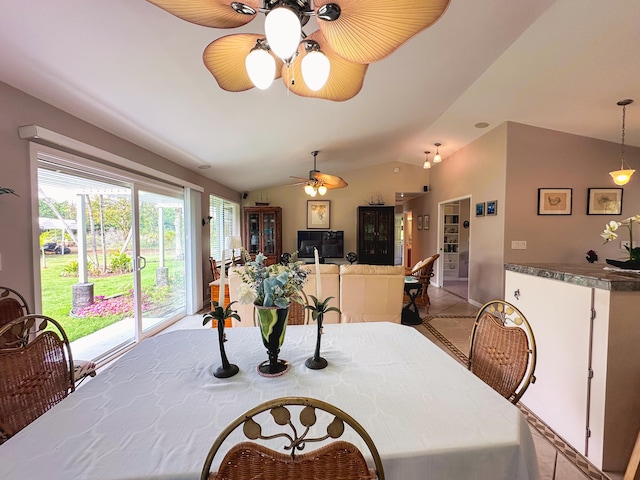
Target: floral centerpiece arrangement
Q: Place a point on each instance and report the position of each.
(271, 286)
(271, 289)
(609, 234)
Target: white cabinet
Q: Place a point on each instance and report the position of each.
(450, 240)
(588, 370)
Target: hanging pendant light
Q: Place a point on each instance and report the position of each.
(427, 163)
(622, 176)
(437, 158)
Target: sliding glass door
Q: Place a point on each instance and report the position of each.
(112, 256)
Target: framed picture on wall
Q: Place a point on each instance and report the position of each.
(425, 223)
(480, 209)
(318, 214)
(492, 207)
(554, 201)
(419, 222)
(604, 201)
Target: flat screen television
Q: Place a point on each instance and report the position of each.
(330, 244)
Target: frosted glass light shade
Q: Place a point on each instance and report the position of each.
(322, 189)
(621, 177)
(427, 164)
(283, 29)
(437, 158)
(309, 190)
(261, 68)
(315, 70)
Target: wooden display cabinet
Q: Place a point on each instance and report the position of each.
(376, 235)
(263, 232)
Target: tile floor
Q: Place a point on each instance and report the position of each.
(452, 329)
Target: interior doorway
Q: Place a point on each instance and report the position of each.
(453, 239)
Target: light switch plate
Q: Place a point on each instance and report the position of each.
(518, 245)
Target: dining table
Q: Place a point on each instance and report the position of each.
(155, 412)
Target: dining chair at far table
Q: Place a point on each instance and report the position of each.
(317, 421)
(34, 376)
(502, 349)
(13, 305)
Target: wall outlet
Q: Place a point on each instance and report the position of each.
(518, 245)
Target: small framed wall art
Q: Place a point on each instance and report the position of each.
(419, 222)
(318, 214)
(425, 223)
(604, 201)
(554, 201)
(492, 207)
(480, 209)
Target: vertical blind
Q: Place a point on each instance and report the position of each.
(225, 222)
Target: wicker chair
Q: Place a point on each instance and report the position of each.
(423, 271)
(12, 306)
(503, 349)
(335, 460)
(33, 376)
(298, 314)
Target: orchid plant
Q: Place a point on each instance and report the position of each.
(609, 234)
(273, 285)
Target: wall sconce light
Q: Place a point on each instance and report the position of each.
(206, 220)
(622, 176)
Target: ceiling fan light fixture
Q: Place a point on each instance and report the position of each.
(283, 29)
(315, 66)
(622, 176)
(309, 190)
(322, 189)
(261, 67)
(437, 158)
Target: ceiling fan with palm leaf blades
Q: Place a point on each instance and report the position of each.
(330, 63)
(319, 182)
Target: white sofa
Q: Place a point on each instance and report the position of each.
(364, 293)
(329, 275)
(371, 293)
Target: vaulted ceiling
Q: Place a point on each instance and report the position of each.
(136, 71)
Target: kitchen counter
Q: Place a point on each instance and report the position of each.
(592, 275)
(585, 321)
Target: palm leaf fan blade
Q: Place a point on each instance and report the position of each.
(368, 30)
(345, 78)
(225, 57)
(208, 13)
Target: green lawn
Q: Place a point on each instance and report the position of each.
(57, 293)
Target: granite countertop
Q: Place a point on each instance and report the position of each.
(587, 275)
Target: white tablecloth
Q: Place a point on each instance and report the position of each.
(157, 410)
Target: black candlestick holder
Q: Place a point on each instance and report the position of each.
(317, 362)
(227, 369)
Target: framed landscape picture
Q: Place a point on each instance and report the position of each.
(604, 201)
(480, 209)
(492, 207)
(554, 201)
(318, 214)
